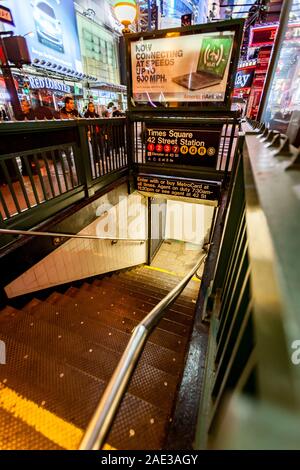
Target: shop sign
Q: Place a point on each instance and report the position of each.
(6, 16)
(263, 60)
(55, 85)
(183, 146)
(263, 36)
(244, 77)
(183, 188)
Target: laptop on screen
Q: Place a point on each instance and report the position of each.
(213, 59)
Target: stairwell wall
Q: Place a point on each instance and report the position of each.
(117, 214)
(188, 222)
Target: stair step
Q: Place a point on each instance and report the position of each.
(17, 435)
(140, 283)
(104, 298)
(111, 339)
(33, 303)
(107, 319)
(130, 320)
(170, 282)
(140, 300)
(152, 291)
(47, 381)
(168, 277)
(8, 315)
(148, 383)
(73, 396)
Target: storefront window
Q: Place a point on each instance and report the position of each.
(282, 111)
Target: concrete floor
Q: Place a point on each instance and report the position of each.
(177, 256)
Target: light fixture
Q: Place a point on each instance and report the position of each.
(125, 11)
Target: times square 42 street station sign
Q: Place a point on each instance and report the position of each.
(183, 146)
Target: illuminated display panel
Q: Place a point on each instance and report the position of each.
(184, 67)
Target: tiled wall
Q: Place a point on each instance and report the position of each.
(80, 258)
(188, 222)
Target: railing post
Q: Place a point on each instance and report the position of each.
(83, 160)
(129, 148)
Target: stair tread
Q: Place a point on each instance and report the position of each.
(156, 273)
(109, 338)
(152, 291)
(15, 434)
(139, 299)
(63, 351)
(38, 378)
(190, 289)
(96, 318)
(129, 319)
(141, 285)
(102, 297)
(92, 359)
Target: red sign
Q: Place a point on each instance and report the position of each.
(6, 16)
(263, 36)
(263, 60)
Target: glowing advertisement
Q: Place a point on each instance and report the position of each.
(51, 31)
(191, 68)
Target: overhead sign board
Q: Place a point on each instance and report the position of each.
(6, 16)
(184, 146)
(53, 42)
(170, 187)
(183, 67)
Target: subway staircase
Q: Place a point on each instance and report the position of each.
(61, 352)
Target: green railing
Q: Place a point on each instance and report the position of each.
(47, 166)
(251, 394)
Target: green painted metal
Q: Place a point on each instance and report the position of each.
(39, 140)
(255, 320)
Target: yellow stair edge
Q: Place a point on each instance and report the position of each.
(172, 273)
(56, 429)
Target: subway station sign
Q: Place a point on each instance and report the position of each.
(198, 147)
(171, 187)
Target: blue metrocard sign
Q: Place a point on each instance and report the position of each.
(6, 16)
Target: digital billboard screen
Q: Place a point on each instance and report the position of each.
(174, 69)
(53, 34)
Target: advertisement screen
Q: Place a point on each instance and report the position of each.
(50, 29)
(190, 68)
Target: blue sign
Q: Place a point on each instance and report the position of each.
(53, 38)
(244, 77)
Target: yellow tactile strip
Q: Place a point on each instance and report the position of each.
(57, 430)
(172, 273)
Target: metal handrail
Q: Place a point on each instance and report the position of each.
(102, 420)
(30, 233)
